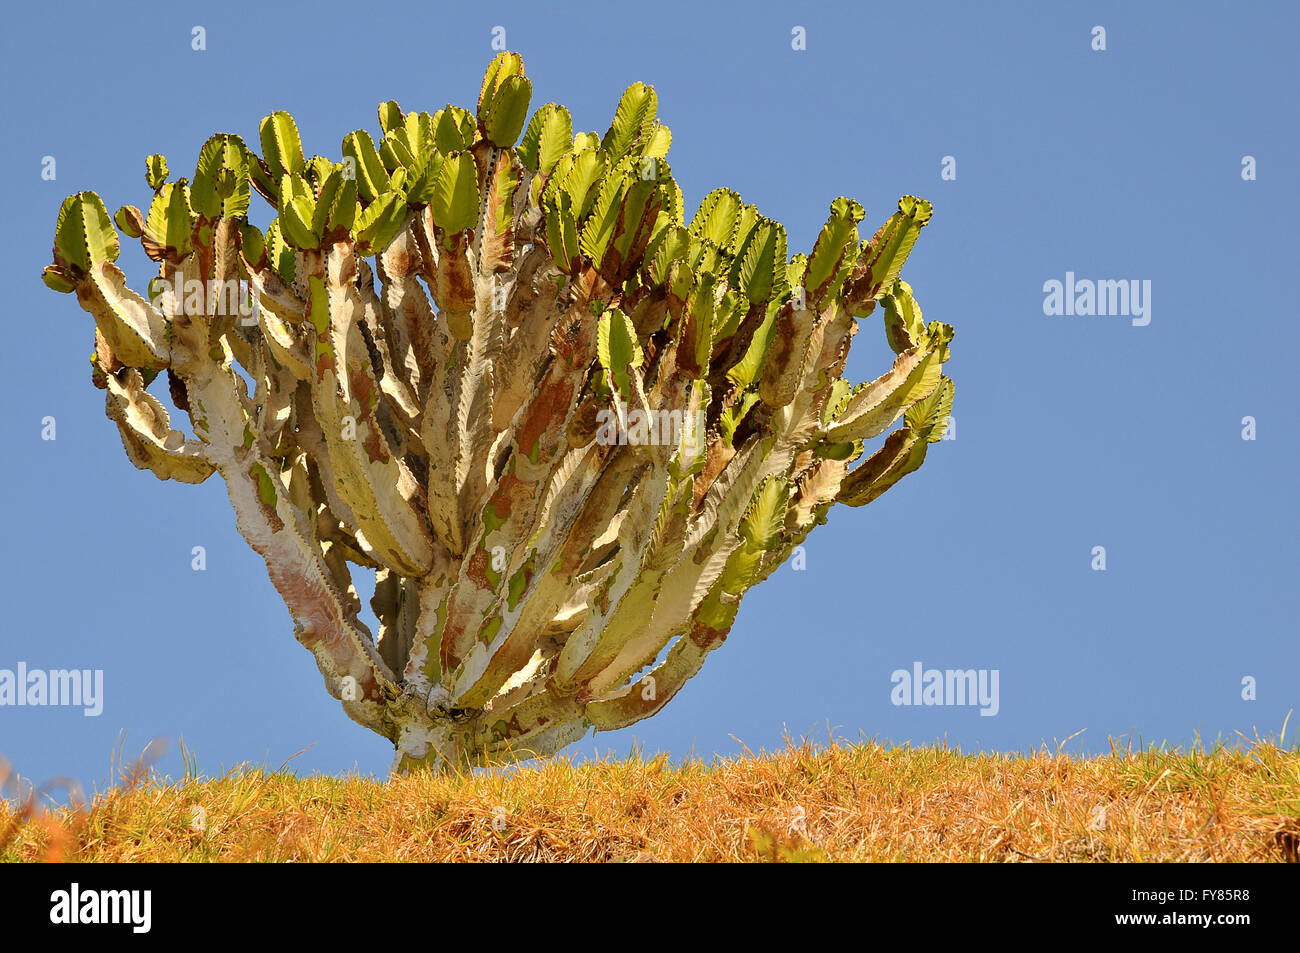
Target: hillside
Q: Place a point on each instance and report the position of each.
(840, 802)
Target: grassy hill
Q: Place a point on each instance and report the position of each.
(839, 802)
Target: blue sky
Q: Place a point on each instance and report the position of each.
(1072, 432)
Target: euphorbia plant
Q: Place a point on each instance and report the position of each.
(494, 364)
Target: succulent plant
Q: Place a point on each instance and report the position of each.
(493, 363)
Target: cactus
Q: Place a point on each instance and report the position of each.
(494, 364)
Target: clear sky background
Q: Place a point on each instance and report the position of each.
(1072, 432)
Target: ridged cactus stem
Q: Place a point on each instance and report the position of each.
(496, 370)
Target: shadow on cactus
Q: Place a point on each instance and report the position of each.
(494, 364)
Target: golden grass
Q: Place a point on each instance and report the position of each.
(840, 802)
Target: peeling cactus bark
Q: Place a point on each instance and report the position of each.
(494, 366)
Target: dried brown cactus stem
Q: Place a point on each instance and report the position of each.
(325, 622)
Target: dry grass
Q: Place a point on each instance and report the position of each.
(807, 802)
